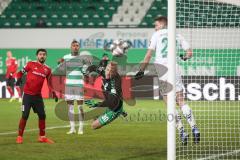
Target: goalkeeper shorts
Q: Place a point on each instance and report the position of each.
(109, 116)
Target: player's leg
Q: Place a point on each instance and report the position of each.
(18, 88)
(188, 114)
(69, 98)
(106, 118)
(38, 107)
(10, 85)
(163, 77)
(70, 104)
(26, 106)
(179, 125)
(80, 116)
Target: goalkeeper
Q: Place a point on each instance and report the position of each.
(159, 43)
(112, 90)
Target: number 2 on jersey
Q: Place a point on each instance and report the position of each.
(164, 50)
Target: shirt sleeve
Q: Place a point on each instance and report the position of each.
(153, 42)
(183, 43)
(25, 69)
(49, 73)
(49, 80)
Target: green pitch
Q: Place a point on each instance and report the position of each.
(140, 136)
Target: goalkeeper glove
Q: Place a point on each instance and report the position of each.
(19, 82)
(55, 96)
(139, 75)
(91, 103)
(124, 114)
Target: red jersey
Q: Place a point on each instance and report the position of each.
(36, 74)
(11, 67)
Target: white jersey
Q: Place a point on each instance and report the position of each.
(159, 43)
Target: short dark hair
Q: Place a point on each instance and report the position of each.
(162, 19)
(75, 41)
(41, 50)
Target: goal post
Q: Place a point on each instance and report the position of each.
(211, 77)
(171, 131)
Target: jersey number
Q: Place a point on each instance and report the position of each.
(164, 50)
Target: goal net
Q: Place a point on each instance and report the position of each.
(211, 77)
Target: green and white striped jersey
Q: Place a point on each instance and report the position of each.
(75, 67)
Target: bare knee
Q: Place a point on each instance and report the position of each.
(96, 124)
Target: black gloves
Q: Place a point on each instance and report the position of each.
(91, 103)
(139, 74)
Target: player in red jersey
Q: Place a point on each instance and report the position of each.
(12, 67)
(37, 72)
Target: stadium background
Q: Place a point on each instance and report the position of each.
(29, 24)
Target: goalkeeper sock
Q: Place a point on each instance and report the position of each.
(22, 124)
(179, 123)
(187, 112)
(41, 125)
(71, 116)
(81, 117)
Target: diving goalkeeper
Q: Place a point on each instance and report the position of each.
(112, 90)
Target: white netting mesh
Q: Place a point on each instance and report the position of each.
(211, 77)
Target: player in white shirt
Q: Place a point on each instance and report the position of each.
(74, 85)
(158, 43)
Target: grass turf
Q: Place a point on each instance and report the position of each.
(141, 135)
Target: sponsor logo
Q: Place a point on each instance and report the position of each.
(39, 74)
(211, 89)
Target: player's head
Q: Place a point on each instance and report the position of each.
(9, 54)
(41, 55)
(161, 23)
(75, 46)
(111, 69)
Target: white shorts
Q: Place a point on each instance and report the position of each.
(74, 93)
(164, 78)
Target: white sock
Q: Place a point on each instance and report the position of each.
(81, 117)
(187, 112)
(179, 124)
(71, 116)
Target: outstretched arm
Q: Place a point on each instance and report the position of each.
(25, 69)
(144, 65)
(147, 59)
(50, 86)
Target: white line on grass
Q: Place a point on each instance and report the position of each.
(36, 129)
(220, 155)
